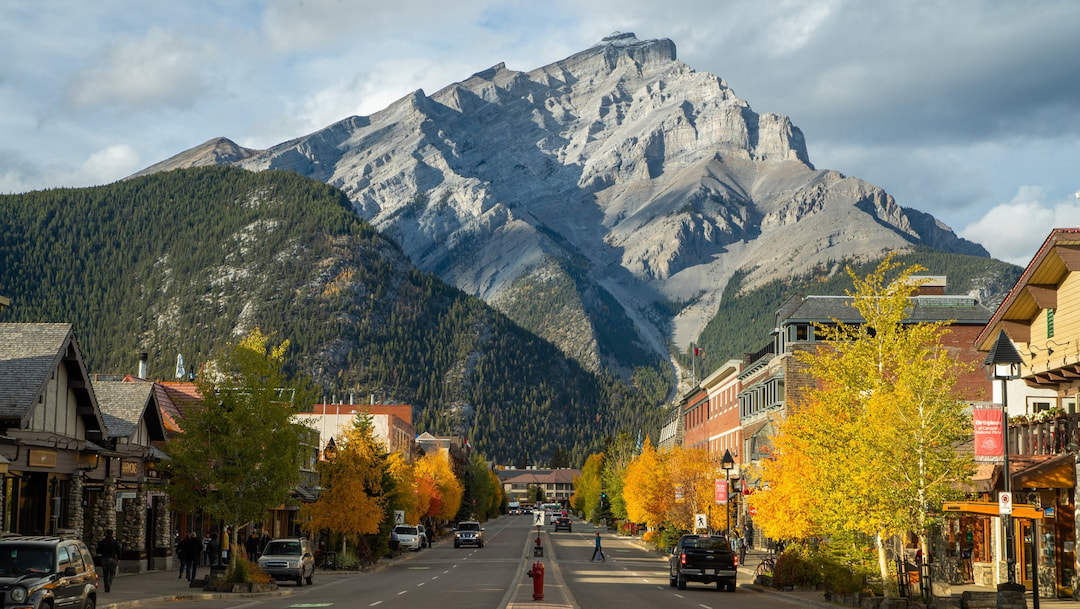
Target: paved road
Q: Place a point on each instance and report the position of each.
(493, 576)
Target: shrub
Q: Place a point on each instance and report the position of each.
(795, 568)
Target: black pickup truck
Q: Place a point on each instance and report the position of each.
(705, 559)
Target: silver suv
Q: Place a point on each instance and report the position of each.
(289, 558)
(468, 533)
(41, 572)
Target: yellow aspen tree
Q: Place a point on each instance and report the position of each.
(587, 487)
(439, 491)
(647, 490)
(873, 447)
(353, 500)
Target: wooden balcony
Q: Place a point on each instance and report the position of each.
(1053, 436)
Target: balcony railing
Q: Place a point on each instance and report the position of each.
(1053, 436)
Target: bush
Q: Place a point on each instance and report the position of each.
(244, 572)
(795, 568)
(839, 578)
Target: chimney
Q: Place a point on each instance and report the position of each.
(143, 366)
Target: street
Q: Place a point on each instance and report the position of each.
(495, 576)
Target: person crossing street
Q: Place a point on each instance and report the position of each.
(597, 549)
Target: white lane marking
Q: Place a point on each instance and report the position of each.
(402, 592)
(679, 595)
(375, 603)
(420, 584)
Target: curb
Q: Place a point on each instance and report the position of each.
(195, 596)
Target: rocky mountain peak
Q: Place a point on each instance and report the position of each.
(621, 169)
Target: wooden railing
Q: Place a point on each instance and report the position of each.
(1050, 437)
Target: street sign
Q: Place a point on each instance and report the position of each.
(538, 517)
(399, 516)
(678, 493)
(700, 522)
(1004, 503)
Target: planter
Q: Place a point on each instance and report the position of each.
(252, 587)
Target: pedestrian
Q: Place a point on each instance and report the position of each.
(213, 550)
(252, 547)
(226, 541)
(597, 549)
(204, 559)
(748, 536)
(190, 550)
(109, 551)
(394, 541)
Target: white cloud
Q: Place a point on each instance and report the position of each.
(160, 68)
(111, 163)
(1014, 231)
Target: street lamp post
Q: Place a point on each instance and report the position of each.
(727, 464)
(1003, 364)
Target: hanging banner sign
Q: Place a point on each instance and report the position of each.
(722, 492)
(989, 425)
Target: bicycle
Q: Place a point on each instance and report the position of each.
(766, 566)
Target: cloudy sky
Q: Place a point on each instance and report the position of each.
(968, 110)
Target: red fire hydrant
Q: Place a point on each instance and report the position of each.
(537, 575)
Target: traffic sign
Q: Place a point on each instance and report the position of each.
(538, 517)
(399, 516)
(700, 522)
(1004, 503)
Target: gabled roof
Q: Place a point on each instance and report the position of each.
(29, 354)
(965, 310)
(126, 404)
(537, 476)
(1056, 259)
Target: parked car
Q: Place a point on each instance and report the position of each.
(468, 533)
(563, 524)
(46, 573)
(289, 558)
(409, 537)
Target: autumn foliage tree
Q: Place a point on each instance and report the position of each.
(587, 488)
(357, 486)
(647, 488)
(873, 448)
(438, 490)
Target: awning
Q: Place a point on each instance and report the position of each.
(986, 508)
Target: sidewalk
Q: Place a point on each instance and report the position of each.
(131, 590)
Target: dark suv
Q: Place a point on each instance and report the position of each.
(468, 533)
(40, 572)
(563, 523)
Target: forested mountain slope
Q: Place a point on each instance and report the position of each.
(183, 261)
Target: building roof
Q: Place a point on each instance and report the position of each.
(965, 310)
(29, 354)
(537, 476)
(126, 404)
(1058, 256)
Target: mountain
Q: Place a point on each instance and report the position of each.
(186, 261)
(603, 201)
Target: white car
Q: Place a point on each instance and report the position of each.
(408, 537)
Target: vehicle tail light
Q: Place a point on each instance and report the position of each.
(682, 558)
(736, 560)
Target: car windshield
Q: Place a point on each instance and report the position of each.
(406, 530)
(468, 526)
(279, 548)
(16, 559)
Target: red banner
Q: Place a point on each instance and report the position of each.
(989, 444)
(721, 491)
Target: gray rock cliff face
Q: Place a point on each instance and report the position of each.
(655, 179)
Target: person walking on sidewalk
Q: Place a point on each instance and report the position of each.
(597, 549)
(109, 551)
(190, 549)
